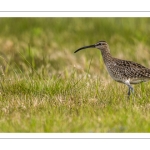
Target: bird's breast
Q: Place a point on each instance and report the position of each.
(114, 71)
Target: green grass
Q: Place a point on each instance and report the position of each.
(45, 87)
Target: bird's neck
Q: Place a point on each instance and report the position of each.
(106, 55)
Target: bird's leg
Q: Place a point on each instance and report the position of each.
(129, 92)
(130, 87)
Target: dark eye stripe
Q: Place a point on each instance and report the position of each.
(101, 43)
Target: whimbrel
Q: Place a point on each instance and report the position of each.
(127, 72)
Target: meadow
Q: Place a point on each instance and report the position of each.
(45, 87)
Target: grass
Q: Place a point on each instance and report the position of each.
(45, 87)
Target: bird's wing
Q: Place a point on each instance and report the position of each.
(132, 69)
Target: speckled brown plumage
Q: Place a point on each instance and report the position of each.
(127, 72)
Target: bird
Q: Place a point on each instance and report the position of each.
(123, 71)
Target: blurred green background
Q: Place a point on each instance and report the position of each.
(55, 40)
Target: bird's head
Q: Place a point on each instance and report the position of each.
(102, 45)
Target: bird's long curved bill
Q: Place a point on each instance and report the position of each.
(90, 46)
